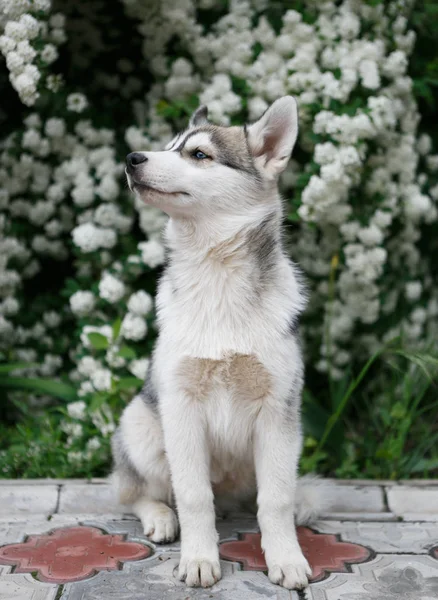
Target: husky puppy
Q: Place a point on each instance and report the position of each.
(218, 416)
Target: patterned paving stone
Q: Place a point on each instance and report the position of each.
(24, 587)
(27, 500)
(385, 537)
(71, 554)
(325, 553)
(405, 499)
(155, 579)
(87, 498)
(387, 577)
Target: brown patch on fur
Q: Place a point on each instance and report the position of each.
(197, 376)
(248, 378)
(242, 374)
(229, 251)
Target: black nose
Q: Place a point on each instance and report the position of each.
(135, 158)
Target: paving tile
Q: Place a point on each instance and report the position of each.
(325, 553)
(387, 577)
(405, 499)
(359, 516)
(353, 498)
(154, 579)
(25, 587)
(28, 500)
(71, 554)
(87, 498)
(425, 517)
(15, 530)
(385, 537)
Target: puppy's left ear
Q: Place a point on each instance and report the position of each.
(272, 138)
(199, 117)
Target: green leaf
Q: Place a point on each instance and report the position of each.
(44, 386)
(116, 327)
(127, 383)
(18, 365)
(98, 341)
(127, 352)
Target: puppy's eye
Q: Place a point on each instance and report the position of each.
(199, 155)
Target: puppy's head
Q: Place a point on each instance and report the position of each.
(208, 169)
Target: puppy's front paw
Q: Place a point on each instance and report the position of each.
(160, 525)
(197, 572)
(292, 573)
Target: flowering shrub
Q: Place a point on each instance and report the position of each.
(79, 256)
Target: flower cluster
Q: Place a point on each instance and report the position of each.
(29, 43)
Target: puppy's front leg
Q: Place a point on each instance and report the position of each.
(277, 444)
(189, 461)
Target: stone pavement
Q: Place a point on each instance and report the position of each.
(68, 540)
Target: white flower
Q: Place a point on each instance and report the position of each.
(49, 54)
(51, 319)
(77, 102)
(6, 44)
(140, 303)
(133, 327)
(370, 236)
(93, 444)
(139, 367)
(101, 380)
(413, 290)
(31, 26)
(76, 410)
(111, 288)
(55, 127)
(82, 303)
(89, 237)
(14, 62)
(88, 365)
(152, 253)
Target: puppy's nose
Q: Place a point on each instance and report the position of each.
(135, 158)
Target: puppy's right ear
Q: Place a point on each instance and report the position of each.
(199, 117)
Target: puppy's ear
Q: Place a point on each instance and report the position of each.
(199, 117)
(272, 138)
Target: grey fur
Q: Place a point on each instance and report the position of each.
(148, 392)
(264, 245)
(131, 483)
(199, 117)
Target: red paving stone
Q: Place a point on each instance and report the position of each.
(71, 554)
(325, 552)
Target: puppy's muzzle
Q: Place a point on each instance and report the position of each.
(134, 159)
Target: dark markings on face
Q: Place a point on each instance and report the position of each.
(264, 244)
(230, 144)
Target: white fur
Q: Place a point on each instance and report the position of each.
(207, 310)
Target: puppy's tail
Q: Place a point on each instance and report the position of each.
(311, 499)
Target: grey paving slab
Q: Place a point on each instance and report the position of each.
(22, 586)
(28, 500)
(388, 537)
(407, 499)
(387, 577)
(424, 517)
(154, 579)
(16, 530)
(87, 498)
(359, 516)
(343, 498)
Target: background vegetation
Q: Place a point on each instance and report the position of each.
(84, 82)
